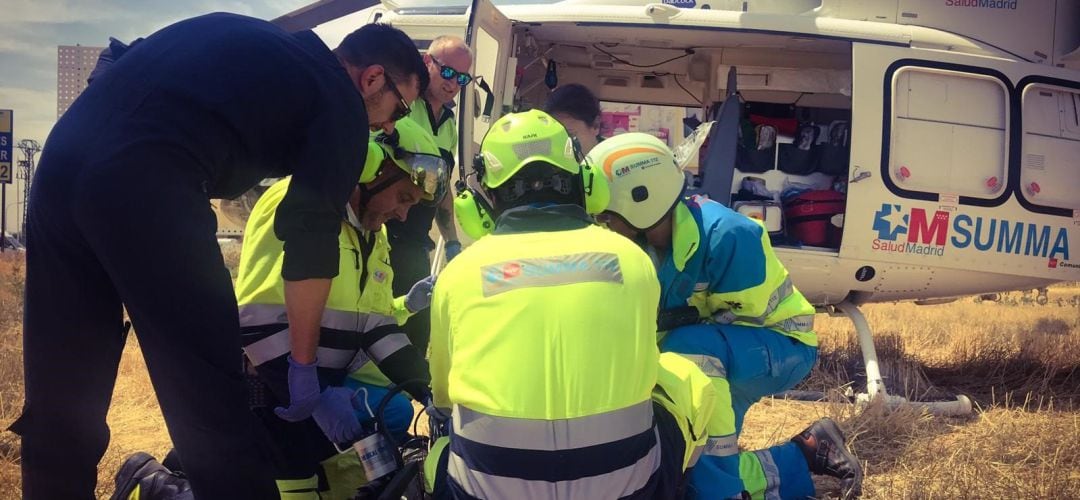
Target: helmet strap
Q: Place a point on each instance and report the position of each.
(370, 189)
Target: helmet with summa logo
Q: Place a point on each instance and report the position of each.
(643, 178)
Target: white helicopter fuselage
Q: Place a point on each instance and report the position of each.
(962, 171)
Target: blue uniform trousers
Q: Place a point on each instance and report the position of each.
(758, 362)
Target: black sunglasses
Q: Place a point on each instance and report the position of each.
(402, 109)
(449, 73)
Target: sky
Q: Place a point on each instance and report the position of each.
(30, 31)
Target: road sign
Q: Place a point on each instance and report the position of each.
(6, 147)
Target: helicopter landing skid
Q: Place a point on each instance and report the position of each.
(875, 385)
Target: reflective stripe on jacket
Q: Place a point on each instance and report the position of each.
(360, 301)
(544, 344)
(722, 263)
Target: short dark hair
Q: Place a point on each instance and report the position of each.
(575, 100)
(388, 47)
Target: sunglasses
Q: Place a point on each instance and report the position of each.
(402, 109)
(449, 73)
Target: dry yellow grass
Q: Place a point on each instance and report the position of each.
(134, 417)
(1018, 362)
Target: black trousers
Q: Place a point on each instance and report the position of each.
(119, 217)
(410, 262)
(301, 446)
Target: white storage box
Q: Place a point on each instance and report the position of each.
(766, 211)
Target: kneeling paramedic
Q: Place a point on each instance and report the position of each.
(543, 344)
(360, 330)
(743, 321)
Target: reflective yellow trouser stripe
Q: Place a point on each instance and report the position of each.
(760, 475)
(752, 478)
(299, 489)
(690, 397)
(721, 426)
(431, 463)
(344, 474)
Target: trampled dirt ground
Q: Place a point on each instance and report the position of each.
(1016, 359)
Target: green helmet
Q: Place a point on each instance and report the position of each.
(413, 150)
(644, 180)
(518, 139)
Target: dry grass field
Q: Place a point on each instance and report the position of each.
(1017, 360)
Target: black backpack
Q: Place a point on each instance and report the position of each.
(836, 152)
(801, 156)
(758, 155)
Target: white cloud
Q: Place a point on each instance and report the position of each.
(333, 32)
(26, 24)
(62, 11)
(236, 7)
(18, 45)
(35, 111)
(34, 116)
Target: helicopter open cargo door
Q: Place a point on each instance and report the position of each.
(490, 37)
(963, 161)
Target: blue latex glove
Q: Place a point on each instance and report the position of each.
(452, 248)
(419, 296)
(303, 391)
(438, 422)
(334, 415)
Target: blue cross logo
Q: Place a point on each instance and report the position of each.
(889, 222)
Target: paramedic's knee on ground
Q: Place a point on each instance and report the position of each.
(752, 362)
(688, 394)
(682, 389)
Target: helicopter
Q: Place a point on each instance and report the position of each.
(896, 150)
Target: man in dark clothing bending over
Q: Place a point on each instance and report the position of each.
(120, 216)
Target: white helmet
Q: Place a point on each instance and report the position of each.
(644, 180)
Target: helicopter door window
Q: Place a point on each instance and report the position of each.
(949, 133)
(1049, 171)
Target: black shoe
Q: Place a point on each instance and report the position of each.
(134, 468)
(143, 474)
(823, 445)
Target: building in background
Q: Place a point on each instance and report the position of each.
(73, 66)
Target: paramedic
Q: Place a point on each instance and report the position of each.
(359, 327)
(576, 107)
(751, 331)
(120, 218)
(543, 340)
(448, 61)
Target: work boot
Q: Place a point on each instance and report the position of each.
(141, 477)
(823, 445)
